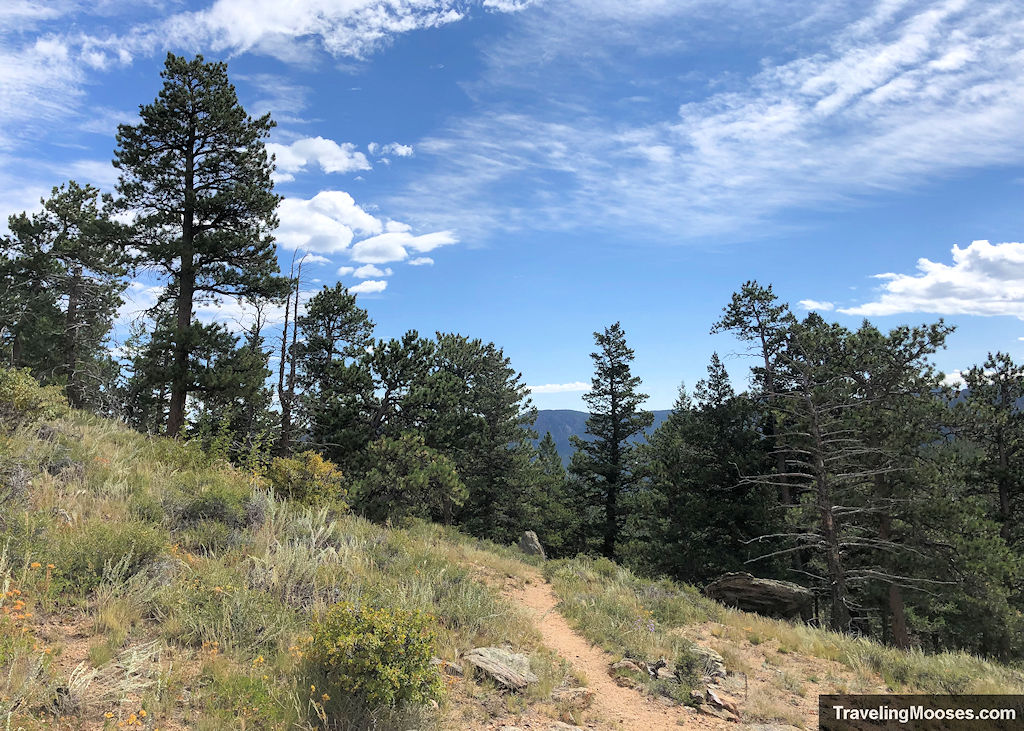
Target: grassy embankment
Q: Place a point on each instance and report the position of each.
(148, 585)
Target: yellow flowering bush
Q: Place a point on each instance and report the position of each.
(379, 656)
(23, 400)
(308, 478)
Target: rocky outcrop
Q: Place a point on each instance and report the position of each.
(770, 597)
(530, 544)
(507, 668)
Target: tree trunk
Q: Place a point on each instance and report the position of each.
(1004, 490)
(829, 531)
(186, 291)
(282, 444)
(286, 406)
(74, 392)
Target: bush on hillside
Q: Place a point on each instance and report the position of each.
(81, 556)
(408, 479)
(211, 497)
(23, 400)
(377, 657)
(308, 478)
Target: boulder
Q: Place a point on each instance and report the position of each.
(712, 664)
(770, 597)
(718, 713)
(508, 668)
(720, 700)
(530, 544)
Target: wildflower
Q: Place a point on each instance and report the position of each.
(35, 565)
(325, 697)
(50, 566)
(142, 713)
(108, 714)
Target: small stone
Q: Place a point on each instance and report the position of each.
(626, 665)
(448, 668)
(721, 700)
(666, 674)
(580, 698)
(624, 681)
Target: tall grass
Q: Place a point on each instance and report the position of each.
(630, 615)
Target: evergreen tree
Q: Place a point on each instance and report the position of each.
(550, 512)
(196, 173)
(333, 374)
(606, 465)
(702, 518)
(475, 408)
(991, 418)
(61, 276)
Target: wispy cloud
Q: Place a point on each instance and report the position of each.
(816, 305)
(575, 386)
(896, 95)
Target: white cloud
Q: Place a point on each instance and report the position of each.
(315, 259)
(394, 245)
(328, 154)
(421, 261)
(366, 271)
(345, 271)
(326, 223)
(393, 148)
(370, 286)
(816, 305)
(983, 279)
(560, 387)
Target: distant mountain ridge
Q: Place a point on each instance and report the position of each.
(564, 423)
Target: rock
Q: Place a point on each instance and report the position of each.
(666, 701)
(625, 665)
(770, 597)
(508, 668)
(713, 664)
(696, 696)
(720, 700)
(46, 433)
(717, 713)
(530, 544)
(448, 668)
(580, 698)
(560, 726)
(624, 681)
(666, 674)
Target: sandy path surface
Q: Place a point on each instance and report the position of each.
(614, 707)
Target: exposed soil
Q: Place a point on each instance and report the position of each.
(614, 707)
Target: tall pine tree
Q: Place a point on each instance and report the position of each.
(606, 465)
(196, 173)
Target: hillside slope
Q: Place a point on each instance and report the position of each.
(148, 585)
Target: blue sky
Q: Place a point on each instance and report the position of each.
(529, 172)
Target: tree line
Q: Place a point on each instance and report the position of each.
(846, 465)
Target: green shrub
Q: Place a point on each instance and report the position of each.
(210, 536)
(408, 479)
(82, 555)
(23, 400)
(213, 607)
(211, 497)
(379, 657)
(308, 478)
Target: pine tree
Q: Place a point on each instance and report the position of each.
(196, 172)
(991, 418)
(61, 275)
(606, 465)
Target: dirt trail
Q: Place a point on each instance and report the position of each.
(616, 707)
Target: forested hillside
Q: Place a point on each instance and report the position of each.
(563, 424)
(258, 479)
